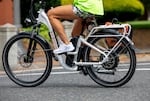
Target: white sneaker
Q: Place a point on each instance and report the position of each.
(64, 48)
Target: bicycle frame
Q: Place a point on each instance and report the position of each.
(43, 18)
(105, 53)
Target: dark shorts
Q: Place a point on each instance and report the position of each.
(81, 13)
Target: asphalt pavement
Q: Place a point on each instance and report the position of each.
(65, 85)
(72, 86)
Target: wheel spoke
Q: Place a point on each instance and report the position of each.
(22, 66)
(119, 67)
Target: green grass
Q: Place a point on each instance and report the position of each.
(43, 31)
(140, 24)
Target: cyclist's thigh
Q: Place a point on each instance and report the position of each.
(63, 12)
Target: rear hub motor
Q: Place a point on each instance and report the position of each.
(112, 61)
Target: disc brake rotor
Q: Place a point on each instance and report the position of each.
(25, 61)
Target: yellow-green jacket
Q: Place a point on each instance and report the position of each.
(91, 6)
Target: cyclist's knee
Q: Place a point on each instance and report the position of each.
(50, 14)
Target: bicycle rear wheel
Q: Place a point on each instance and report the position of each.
(25, 69)
(119, 68)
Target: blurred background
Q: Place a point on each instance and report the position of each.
(15, 11)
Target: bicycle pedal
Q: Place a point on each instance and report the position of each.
(83, 71)
(55, 58)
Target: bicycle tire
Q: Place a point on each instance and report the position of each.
(26, 74)
(106, 75)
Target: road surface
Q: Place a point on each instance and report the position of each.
(72, 86)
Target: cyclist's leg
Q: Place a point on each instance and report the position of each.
(78, 24)
(77, 27)
(61, 12)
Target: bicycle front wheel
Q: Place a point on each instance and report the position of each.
(26, 69)
(120, 66)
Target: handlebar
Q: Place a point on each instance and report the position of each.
(31, 19)
(43, 4)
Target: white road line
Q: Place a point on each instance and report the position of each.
(53, 73)
(75, 72)
(143, 64)
(143, 69)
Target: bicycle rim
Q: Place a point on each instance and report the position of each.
(119, 68)
(22, 72)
